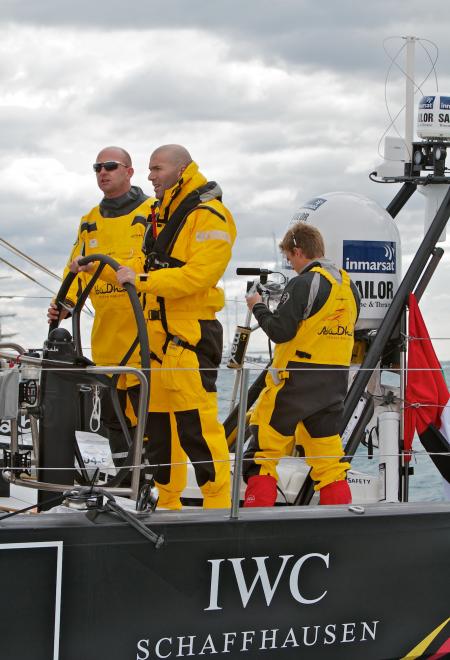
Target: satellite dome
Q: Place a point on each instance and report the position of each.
(361, 237)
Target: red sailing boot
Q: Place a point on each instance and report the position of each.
(337, 492)
(261, 491)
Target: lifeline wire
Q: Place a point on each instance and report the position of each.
(22, 272)
(36, 264)
(111, 466)
(21, 254)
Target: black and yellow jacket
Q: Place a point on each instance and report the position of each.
(116, 228)
(315, 319)
(202, 247)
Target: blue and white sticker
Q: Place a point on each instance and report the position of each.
(444, 103)
(369, 257)
(426, 103)
(314, 204)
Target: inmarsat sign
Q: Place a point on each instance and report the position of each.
(433, 117)
(372, 265)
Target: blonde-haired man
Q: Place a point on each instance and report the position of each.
(302, 403)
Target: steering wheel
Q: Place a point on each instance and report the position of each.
(141, 341)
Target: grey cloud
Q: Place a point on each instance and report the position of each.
(271, 121)
(43, 230)
(23, 130)
(169, 95)
(292, 31)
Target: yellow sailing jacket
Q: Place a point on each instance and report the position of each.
(203, 245)
(121, 238)
(327, 336)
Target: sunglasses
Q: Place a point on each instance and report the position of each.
(294, 240)
(109, 166)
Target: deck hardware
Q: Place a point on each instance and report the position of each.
(356, 508)
(19, 462)
(98, 500)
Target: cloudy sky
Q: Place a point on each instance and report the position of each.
(277, 101)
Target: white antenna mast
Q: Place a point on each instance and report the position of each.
(409, 95)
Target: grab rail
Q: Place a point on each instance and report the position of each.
(139, 431)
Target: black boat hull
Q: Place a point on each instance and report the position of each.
(279, 583)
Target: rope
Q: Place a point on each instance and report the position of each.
(94, 421)
(32, 506)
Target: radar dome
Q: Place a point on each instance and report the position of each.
(361, 237)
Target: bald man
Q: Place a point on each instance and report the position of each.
(188, 247)
(115, 227)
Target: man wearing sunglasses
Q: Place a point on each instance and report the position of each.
(115, 227)
(302, 403)
(188, 249)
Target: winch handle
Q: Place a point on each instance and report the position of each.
(60, 298)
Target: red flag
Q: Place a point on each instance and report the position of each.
(427, 393)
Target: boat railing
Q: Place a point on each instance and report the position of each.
(137, 465)
(25, 360)
(29, 361)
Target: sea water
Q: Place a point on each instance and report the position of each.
(425, 484)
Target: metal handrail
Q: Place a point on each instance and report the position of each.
(138, 436)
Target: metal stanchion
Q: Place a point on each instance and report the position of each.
(239, 447)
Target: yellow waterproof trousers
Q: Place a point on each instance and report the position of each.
(280, 420)
(183, 419)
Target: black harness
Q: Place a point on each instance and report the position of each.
(158, 250)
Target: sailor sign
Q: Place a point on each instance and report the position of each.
(433, 119)
(372, 265)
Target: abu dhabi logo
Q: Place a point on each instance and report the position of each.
(107, 288)
(336, 316)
